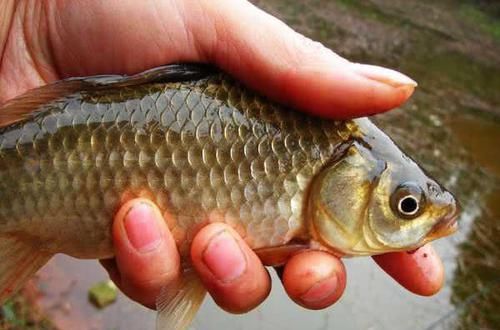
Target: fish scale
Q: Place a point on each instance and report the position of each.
(198, 148)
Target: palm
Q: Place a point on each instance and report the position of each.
(114, 42)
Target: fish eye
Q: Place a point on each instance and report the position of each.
(408, 205)
(407, 201)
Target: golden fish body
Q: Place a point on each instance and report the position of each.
(204, 149)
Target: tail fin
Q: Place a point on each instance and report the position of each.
(19, 260)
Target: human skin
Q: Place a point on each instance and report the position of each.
(43, 41)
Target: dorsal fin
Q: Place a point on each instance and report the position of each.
(28, 104)
(33, 101)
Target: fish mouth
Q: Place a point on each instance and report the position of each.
(445, 226)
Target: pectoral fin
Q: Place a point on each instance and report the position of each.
(177, 305)
(278, 255)
(19, 260)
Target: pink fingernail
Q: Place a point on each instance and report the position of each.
(386, 76)
(224, 258)
(141, 228)
(321, 290)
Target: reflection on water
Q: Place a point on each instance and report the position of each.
(476, 282)
(451, 126)
(480, 137)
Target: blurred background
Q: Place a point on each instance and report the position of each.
(451, 126)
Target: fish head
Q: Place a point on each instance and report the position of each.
(374, 199)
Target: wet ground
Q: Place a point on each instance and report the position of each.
(451, 126)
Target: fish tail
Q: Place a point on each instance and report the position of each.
(19, 260)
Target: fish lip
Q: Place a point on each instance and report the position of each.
(446, 226)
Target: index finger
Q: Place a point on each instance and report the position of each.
(420, 271)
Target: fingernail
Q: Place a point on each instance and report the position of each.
(321, 290)
(141, 228)
(386, 76)
(224, 258)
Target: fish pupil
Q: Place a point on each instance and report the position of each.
(408, 205)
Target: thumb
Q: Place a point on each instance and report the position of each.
(286, 66)
(146, 254)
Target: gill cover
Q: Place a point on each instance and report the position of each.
(340, 197)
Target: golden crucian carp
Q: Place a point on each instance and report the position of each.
(203, 148)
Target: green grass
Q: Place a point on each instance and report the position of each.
(488, 24)
(453, 70)
(18, 313)
(371, 12)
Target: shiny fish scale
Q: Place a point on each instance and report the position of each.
(205, 151)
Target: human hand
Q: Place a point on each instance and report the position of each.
(147, 259)
(44, 41)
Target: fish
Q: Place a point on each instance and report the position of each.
(205, 149)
